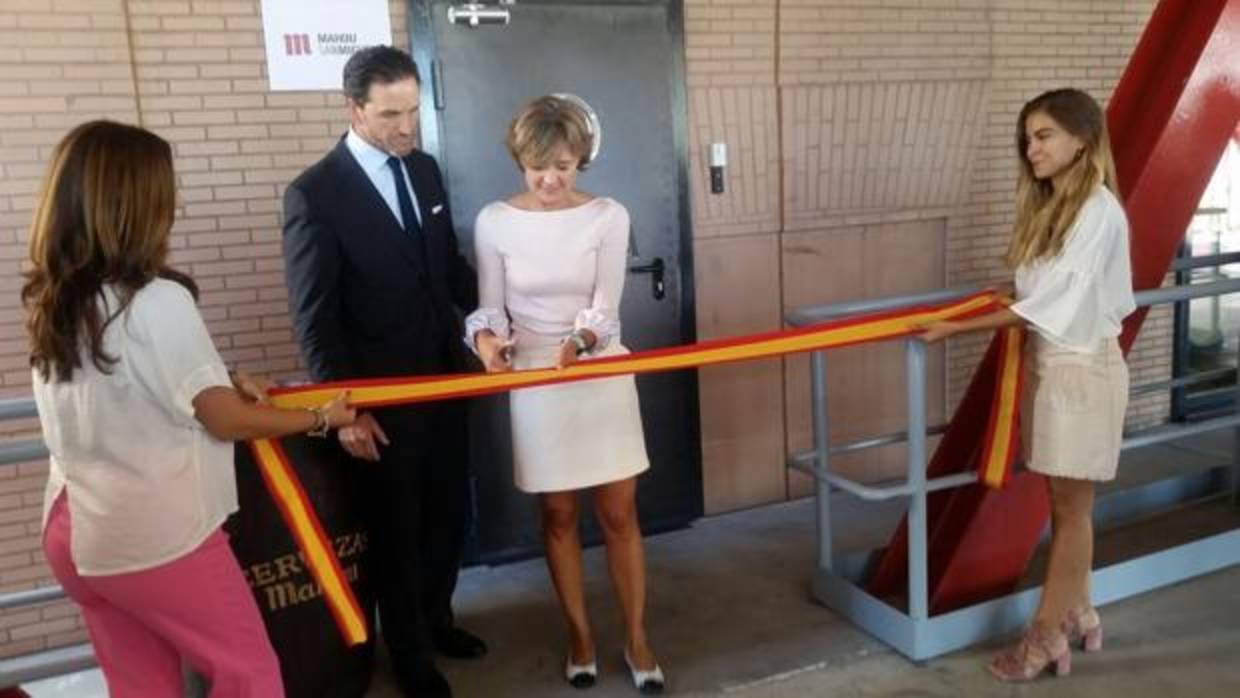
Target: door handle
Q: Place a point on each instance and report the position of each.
(656, 270)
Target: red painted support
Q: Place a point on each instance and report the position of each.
(1170, 117)
(1021, 507)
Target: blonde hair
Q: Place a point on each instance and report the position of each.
(543, 126)
(1044, 213)
(103, 217)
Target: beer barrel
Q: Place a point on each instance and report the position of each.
(314, 659)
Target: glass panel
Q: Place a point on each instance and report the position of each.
(1211, 340)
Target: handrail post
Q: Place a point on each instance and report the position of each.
(915, 367)
(822, 455)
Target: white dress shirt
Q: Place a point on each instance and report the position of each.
(374, 163)
(1080, 297)
(145, 482)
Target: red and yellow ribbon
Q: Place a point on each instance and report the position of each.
(284, 487)
(1000, 443)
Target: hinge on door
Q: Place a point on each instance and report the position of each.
(475, 13)
(437, 84)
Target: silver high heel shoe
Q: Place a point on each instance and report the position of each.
(647, 682)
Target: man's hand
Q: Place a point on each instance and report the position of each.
(252, 388)
(359, 437)
(496, 353)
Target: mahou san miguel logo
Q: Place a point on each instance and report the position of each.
(297, 44)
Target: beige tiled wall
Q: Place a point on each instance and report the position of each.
(738, 291)
(869, 154)
(894, 117)
(865, 385)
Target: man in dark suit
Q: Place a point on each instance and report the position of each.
(375, 285)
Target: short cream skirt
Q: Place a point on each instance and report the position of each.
(1072, 413)
(575, 435)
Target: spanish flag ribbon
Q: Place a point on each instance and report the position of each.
(308, 533)
(1001, 440)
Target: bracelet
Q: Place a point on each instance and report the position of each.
(579, 340)
(320, 422)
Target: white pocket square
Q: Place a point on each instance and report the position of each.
(436, 209)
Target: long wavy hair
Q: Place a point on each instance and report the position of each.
(1045, 213)
(103, 218)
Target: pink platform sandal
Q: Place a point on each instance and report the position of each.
(1084, 625)
(1037, 651)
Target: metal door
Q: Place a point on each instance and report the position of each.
(626, 60)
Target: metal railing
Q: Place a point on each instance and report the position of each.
(63, 660)
(913, 631)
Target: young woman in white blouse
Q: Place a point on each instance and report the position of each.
(1073, 290)
(550, 273)
(138, 413)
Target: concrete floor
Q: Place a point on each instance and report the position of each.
(731, 614)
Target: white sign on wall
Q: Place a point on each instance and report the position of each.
(308, 41)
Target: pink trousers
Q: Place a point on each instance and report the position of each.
(142, 624)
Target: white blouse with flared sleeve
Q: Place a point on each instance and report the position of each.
(550, 272)
(1082, 295)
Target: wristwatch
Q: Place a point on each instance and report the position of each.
(579, 341)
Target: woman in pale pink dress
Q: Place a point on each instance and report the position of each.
(551, 265)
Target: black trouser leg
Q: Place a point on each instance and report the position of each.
(393, 512)
(417, 513)
(445, 511)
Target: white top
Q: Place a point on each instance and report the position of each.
(1080, 297)
(550, 272)
(374, 164)
(145, 482)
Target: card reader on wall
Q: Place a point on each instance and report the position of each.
(718, 161)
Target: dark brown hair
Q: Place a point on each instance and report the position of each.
(381, 64)
(102, 219)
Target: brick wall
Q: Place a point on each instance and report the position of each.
(60, 64)
(730, 51)
(894, 120)
(1037, 46)
(195, 73)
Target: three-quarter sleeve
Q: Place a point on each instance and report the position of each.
(1066, 306)
(171, 355)
(602, 316)
(492, 311)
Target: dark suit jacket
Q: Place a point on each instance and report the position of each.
(367, 299)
